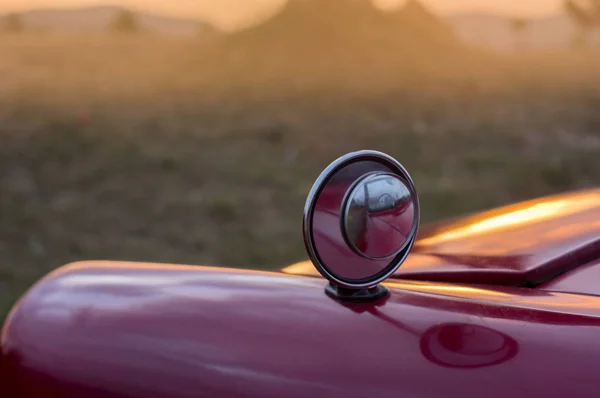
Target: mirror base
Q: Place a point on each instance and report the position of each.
(356, 295)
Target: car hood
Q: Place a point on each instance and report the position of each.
(524, 244)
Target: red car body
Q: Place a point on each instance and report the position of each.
(499, 304)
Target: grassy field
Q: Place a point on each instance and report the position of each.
(122, 149)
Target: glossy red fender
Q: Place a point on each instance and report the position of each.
(106, 329)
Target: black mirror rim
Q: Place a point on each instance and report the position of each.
(309, 207)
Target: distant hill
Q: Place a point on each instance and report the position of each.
(422, 22)
(341, 43)
(97, 19)
(495, 31)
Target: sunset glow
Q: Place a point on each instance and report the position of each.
(233, 13)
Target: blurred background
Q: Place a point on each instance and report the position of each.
(191, 131)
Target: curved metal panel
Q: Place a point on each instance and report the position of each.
(149, 330)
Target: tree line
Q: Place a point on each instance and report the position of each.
(125, 21)
(585, 14)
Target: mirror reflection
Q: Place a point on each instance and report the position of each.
(378, 216)
(332, 248)
(460, 345)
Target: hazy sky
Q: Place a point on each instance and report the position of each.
(230, 13)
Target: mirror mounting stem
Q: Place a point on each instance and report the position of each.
(363, 295)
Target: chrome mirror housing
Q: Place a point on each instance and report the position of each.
(360, 222)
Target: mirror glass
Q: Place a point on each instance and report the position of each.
(363, 217)
(378, 215)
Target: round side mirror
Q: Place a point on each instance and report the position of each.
(360, 221)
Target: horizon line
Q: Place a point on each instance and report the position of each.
(473, 11)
